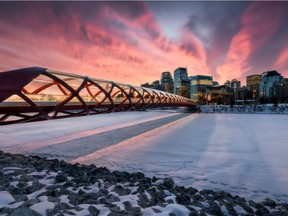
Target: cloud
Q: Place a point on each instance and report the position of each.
(281, 62)
(123, 41)
(114, 41)
(259, 23)
(58, 34)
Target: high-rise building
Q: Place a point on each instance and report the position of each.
(181, 82)
(167, 82)
(198, 86)
(228, 83)
(235, 83)
(271, 85)
(253, 85)
(286, 87)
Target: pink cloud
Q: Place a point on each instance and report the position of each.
(134, 53)
(281, 62)
(259, 23)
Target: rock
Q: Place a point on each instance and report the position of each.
(102, 200)
(59, 209)
(30, 202)
(133, 210)
(183, 199)
(160, 195)
(23, 211)
(25, 178)
(115, 209)
(76, 200)
(169, 183)
(156, 210)
(121, 190)
(53, 199)
(143, 201)
(34, 187)
(261, 210)
(61, 177)
(214, 209)
(93, 211)
(137, 175)
(111, 198)
(269, 202)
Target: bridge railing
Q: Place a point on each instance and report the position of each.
(31, 94)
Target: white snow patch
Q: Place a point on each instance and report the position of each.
(239, 209)
(9, 172)
(5, 199)
(225, 210)
(14, 183)
(42, 207)
(159, 182)
(177, 209)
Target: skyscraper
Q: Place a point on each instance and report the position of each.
(199, 84)
(235, 83)
(167, 82)
(181, 82)
(253, 85)
(271, 85)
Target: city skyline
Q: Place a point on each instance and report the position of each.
(135, 41)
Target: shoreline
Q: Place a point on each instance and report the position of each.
(38, 186)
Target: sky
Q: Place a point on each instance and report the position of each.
(134, 42)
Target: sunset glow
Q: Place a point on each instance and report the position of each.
(133, 42)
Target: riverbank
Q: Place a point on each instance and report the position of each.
(31, 185)
(248, 109)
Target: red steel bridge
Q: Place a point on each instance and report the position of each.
(36, 93)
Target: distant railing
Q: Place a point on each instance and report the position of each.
(35, 93)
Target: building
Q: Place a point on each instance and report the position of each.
(253, 85)
(198, 86)
(181, 82)
(228, 83)
(220, 95)
(286, 88)
(154, 85)
(167, 82)
(235, 84)
(272, 87)
(242, 95)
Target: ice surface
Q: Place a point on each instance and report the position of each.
(244, 154)
(35, 135)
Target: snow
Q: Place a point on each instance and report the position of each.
(239, 209)
(5, 199)
(35, 135)
(42, 207)
(173, 208)
(243, 154)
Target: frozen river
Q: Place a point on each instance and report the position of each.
(244, 154)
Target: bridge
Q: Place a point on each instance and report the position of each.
(36, 93)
